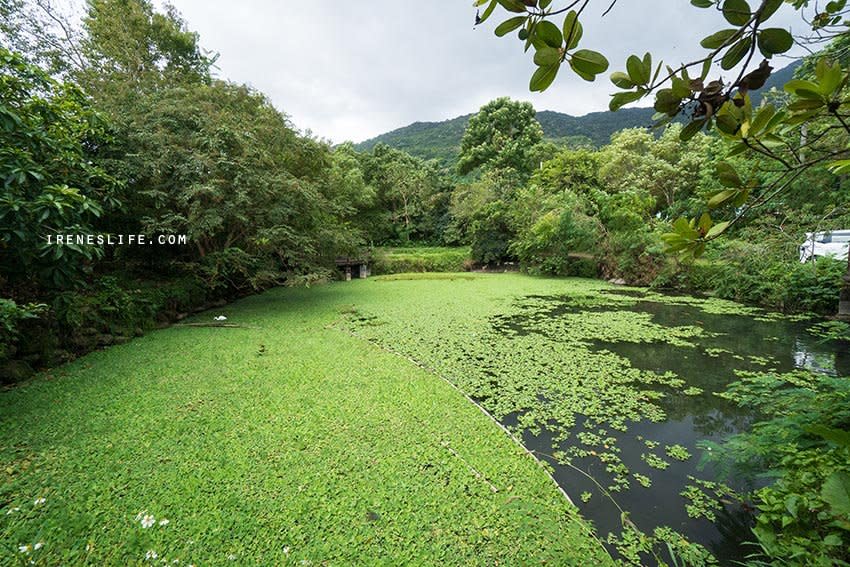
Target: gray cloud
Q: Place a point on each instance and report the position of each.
(351, 70)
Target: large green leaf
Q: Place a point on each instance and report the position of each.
(717, 39)
(543, 77)
(510, 25)
(768, 9)
(736, 12)
(589, 62)
(774, 40)
(836, 493)
(620, 99)
(727, 175)
(636, 70)
(549, 33)
(547, 56)
(622, 80)
(572, 30)
(512, 5)
(735, 53)
(692, 129)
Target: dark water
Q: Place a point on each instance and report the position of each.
(690, 419)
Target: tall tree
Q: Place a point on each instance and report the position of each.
(501, 135)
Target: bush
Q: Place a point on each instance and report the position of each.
(814, 287)
(803, 441)
(761, 274)
(11, 315)
(556, 242)
(421, 259)
(490, 234)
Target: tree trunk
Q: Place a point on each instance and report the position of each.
(844, 296)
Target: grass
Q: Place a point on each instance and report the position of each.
(421, 259)
(283, 442)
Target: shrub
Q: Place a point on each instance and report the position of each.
(11, 315)
(761, 273)
(802, 439)
(814, 287)
(491, 234)
(421, 259)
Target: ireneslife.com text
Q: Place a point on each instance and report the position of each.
(116, 239)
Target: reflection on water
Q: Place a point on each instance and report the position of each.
(732, 342)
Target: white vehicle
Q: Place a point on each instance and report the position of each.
(833, 244)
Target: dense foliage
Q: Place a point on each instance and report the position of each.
(138, 138)
(51, 134)
(804, 440)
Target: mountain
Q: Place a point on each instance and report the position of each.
(441, 140)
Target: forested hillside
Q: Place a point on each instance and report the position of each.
(441, 140)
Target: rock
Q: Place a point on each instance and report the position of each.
(61, 356)
(83, 343)
(12, 371)
(617, 281)
(105, 340)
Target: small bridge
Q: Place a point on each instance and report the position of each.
(353, 267)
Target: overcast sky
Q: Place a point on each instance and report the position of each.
(349, 70)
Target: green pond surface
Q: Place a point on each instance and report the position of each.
(731, 343)
(612, 387)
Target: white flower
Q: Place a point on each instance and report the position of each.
(151, 554)
(220, 318)
(40, 501)
(11, 510)
(38, 545)
(89, 547)
(286, 550)
(231, 557)
(25, 548)
(163, 522)
(147, 521)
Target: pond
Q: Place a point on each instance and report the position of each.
(731, 343)
(615, 389)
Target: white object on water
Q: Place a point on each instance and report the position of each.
(220, 318)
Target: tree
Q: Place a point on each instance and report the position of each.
(130, 38)
(502, 135)
(669, 169)
(409, 194)
(811, 131)
(53, 184)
